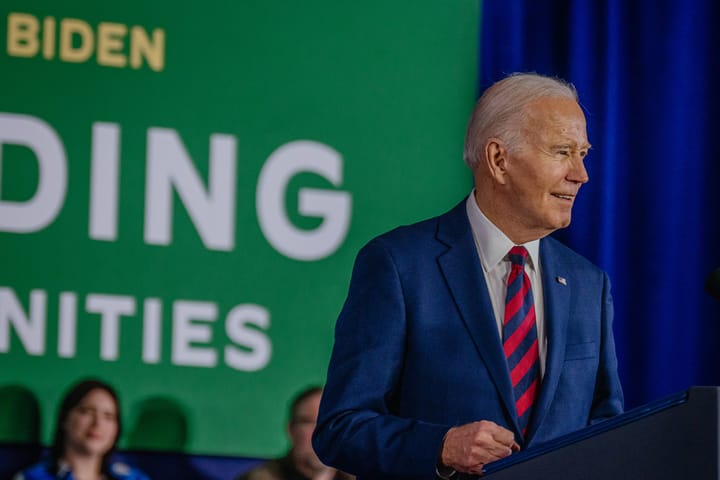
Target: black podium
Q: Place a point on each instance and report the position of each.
(676, 437)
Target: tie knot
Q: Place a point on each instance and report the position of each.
(518, 255)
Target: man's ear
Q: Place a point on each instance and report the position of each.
(496, 159)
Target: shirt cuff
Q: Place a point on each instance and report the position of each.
(444, 472)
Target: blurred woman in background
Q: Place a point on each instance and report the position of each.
(87, 431)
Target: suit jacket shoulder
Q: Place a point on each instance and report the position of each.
(426, 237)
(558, 250)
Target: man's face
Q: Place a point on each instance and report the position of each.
(92, 425)
(545, 173)
(300, 432)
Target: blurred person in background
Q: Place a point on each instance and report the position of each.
(86, 434)
(301, 462)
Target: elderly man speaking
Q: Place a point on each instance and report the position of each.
(472, 335)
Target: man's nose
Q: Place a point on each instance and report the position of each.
(578, 173)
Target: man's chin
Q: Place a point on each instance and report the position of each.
(562, 222)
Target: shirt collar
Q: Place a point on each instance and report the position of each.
(492, 244)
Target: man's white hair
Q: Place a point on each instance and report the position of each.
(500, 110)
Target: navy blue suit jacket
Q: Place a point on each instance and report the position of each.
(417, 351)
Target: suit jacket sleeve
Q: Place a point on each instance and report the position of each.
(358, 430)
(608, 399)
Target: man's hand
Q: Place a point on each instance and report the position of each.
(468, 447)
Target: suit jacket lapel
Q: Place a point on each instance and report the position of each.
(556, 294)
(462, 271)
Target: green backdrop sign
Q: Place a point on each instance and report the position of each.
(184, 186)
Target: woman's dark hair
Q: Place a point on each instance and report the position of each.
(72, 399)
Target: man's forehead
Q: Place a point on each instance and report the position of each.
(554, 108)
(559, 119)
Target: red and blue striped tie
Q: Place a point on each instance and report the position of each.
(520, 340)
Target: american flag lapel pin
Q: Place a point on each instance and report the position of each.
(562, 281)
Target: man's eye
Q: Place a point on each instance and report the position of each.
(564, 152)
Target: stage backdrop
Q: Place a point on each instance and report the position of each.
(650, 214)
(184, 186)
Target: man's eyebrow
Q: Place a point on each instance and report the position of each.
(584, 146)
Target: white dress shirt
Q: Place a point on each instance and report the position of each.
(492, 248)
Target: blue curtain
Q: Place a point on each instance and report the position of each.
(646, 72)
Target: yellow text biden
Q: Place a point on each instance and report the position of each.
(75, 41)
